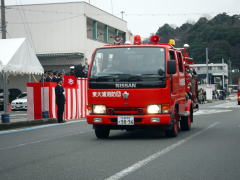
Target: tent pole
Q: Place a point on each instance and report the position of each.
(5, 92)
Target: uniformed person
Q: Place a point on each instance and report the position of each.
(55, 76)
(60, 100)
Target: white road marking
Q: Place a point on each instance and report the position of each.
(210, 111)
(39, 127)
(156, 155)
(227, 104)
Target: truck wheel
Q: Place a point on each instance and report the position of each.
(238, 102)
(102, 133)
(173, 131)
(185, 122)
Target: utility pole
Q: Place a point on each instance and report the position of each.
(230, 71)
(223, 78)
(122, 12)
(5, 76)
(3, 21)
(207, 65)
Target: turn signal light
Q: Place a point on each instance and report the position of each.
(165, 108)
(89, 108)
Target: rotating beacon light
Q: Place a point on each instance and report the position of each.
(171, 42)
(155, 39)
(137, 40)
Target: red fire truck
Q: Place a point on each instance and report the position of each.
(141, 86)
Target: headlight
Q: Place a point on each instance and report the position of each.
(99, 109)
(154, 109)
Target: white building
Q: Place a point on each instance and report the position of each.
(217, 73)
(63, 34)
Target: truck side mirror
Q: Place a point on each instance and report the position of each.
(171, 67)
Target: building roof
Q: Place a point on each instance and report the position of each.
(69, 2)
(74, 54)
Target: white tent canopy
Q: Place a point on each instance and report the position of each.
(17, 57)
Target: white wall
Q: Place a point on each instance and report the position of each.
(58, 27)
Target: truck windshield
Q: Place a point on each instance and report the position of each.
(128, 64)
(129, 60)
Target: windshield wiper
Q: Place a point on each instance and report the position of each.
(104, 77)
(153, 75)
(132, 77)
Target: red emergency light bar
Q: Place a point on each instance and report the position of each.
(137, 40)
(155, 39)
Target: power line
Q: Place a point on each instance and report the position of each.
(29, 29)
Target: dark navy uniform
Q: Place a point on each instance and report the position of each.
(60, 101)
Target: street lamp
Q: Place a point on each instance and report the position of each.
(207, 65)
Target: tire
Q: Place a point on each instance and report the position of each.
(185, 123)
(102, 133)
(238, 102)
(173, 131)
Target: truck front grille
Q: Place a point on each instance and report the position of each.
(125, 111)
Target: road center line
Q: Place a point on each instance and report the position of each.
(156, 155)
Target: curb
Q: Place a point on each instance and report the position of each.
(20, 124)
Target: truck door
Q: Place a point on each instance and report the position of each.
(175, 77)
(181, 87)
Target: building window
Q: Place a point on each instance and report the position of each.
(111, 35)
(102, 32)
(89, 28)
(106, 37)
(122, 35)
(95, 30)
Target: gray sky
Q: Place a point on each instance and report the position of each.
(146, 16)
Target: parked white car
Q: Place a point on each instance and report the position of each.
(20, 103)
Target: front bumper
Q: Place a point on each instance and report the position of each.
(17, 107)
(165, 119)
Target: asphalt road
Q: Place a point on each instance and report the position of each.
(211, 150)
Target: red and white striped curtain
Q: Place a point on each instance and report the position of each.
(41, 97)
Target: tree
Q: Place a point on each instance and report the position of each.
(221, 35)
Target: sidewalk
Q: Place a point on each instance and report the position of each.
(24, 122)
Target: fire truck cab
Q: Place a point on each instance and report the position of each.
(139, 86)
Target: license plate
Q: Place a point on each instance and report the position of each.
(125, 120)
